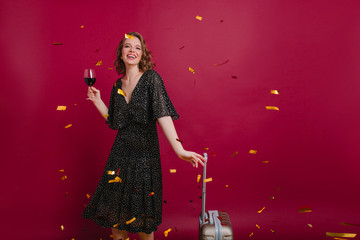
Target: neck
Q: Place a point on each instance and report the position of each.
(132, 72)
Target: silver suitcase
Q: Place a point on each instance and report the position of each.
(213, 225)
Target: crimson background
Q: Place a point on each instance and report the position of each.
(308, 50)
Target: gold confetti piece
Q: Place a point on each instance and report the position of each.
(116, 179)
(106, 115)
(257, 226)
(62, 227)
(198, 178)
(64, 177)
(61, 170)
(131, 220)
(110, 68)
(272, 230)
(251, 234)
(206, 148)
(208, 180)
(199, 18)
(234, 154)
(340, 238)
(276, 92)
(173, 170)
(350, 224)
(121, 92)
(264, 161)
(115, 225)
(58, 43)
(67, 126)
(191, 70)
(129, 36)
(151, 194)
(82, 26)
(272, 108)
(272, 197)
(88, 195)
(253, 151)
(260, 211)
(219, 64)
(305, 209)
(61, 108)
(166, 232)
(111, 172)
(99, 63)
(348, 235)
(310, 225)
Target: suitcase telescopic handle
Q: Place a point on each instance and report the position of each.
(204, 189)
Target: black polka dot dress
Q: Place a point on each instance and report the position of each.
(129, 194)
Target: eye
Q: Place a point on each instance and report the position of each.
(138, 48)
(126, 46)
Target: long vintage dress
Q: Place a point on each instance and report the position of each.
(133, 200)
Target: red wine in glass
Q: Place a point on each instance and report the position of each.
(89, 77)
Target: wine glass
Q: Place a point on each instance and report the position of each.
(89, 77)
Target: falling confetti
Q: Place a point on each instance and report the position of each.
(199, 18)
(131, 220)
(262, 209)
(61, 108)
(305, 209)
(99, 63)
(110, 68)
(105, 116)
(172, 170)
(62, 227)
(64, 177)
(206, 148)
(198, 178)
(88, 195)
(61, 170)
(251, 234)
(121, 92)
(111, 172)
(253, 151)
(67, 126)
(257, 226)
(310, 225)
(116, 179)
(129, 36)
(272, 108)
(350, 224)
(264, 161)
(272, 230)
(276, 92)
(234, 154)
(151, 194)
(348, 235)
(118, 171)
(191, 70)
(272, 197)
(115, 225)
(179, 140)
(219, 64)
(58, 43)
(82, 26)
(208, 180)
(166, 232)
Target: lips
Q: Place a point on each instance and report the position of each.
(131, 56)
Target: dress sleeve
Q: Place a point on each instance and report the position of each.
(161, 103)
(117, 114)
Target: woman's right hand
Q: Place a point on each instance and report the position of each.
(93, 94)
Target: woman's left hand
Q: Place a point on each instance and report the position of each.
(192, 157)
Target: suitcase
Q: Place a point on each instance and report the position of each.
(213, 225)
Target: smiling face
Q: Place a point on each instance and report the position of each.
(132, 51)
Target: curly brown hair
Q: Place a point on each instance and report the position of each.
(145, 61)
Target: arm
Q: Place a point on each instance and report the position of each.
(94, 96)
(169, 130)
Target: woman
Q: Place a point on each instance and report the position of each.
(129, 195)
